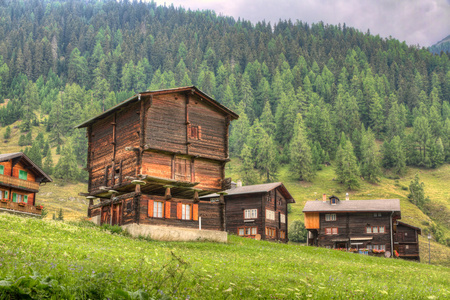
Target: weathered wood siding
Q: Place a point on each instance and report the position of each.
(275, 201)
(209, 213)
(170, 118)
(212, 140)
(234, 211)
(166, 123)
(408, 243)
(108, 139)
(353, 225)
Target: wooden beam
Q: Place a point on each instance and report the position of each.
(187, 123)
(167, 194)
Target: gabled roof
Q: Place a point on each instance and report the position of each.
(27, 161)
(408, 225)
(138, 96)
(257, 188)
(354, 205)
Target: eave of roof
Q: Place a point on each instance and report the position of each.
(257, 188)
(138, 96)
(408, 225)
(9, 156)
(377, 205)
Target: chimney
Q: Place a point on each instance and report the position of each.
(239, 183)
(324, 197)
(347, 197)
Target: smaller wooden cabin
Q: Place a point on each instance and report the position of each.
(257, 211)
(407, 241)
(20, 178)
(352, 224)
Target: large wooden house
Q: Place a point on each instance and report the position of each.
(152, 156)
(355, 224)
(20, 178)
(257, 211)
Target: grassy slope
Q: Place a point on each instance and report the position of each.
(437, 187)
(241, 269)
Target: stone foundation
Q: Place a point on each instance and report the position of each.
(165, 233)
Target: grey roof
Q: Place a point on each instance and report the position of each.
(36, 169)
(137, 97)
(257, 188)
(353, 205)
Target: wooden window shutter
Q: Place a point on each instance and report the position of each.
(167, 212)
(150, 208)
(199, 132)
(14, 197)
(179, 210)
(195, 212)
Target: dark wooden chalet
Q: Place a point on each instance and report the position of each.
(357, 224)
(152, 156)
(20, 178)
(406, 241)
(257, 211)
(352, 224)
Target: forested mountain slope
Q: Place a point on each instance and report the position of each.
(443, 45)
(307, 94)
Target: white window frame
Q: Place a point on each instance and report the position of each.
(282, 218)
(328, 230)
(185, 211)
(368, 229)
(241, 231)
(330, 217)
(375, 229)
(334, 230)
(270, 214)
(381, 229)
(158, 208)
(251, 213)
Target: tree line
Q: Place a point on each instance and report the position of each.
(307, 95)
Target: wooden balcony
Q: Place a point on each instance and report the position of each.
(16, 208)
(19, 183)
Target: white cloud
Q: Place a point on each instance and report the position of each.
(422, 22)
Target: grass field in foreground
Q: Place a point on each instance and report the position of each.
(86, 262)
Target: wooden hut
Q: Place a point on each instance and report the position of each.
(20, 179)
(152, 156)
(407, 241)
(257, 211)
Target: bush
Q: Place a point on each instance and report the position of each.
(297, 232)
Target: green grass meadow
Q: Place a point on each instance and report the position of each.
(64, 260)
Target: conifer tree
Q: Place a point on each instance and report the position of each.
(248, 172)
(35, 153)
(370, 163)
(417, 193)
(7, 133)
(239, 130)
(267, 120)
(394, 156)
(301, 162)
(48, 163)
(347, 170)
(66, 168)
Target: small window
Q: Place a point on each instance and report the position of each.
(241, 231)
(334, 230)
(368, 229)
(375, 229)
(1, 194)
(271, 232)
(270, 214)
(381, 229)
(330, 217)
(282, 218)
(254, 230)
(185, 211)
(23, 175)
(376, 215)
(369, 247)
(328, 230)
(333, 201)
(195, 132)
(251, 213)
(2, 169)
(282, 234)
(157, 209)
(382, 247)
(406, 247)
(406, 234)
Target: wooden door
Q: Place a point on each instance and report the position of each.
(182, 169)
(117, 213)
(106, 212)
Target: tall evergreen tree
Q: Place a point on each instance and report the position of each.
(301, 162)
(347, 170)
(370, 163)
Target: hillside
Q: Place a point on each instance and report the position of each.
(77, 260)
(443, 45)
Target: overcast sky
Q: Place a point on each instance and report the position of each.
(422, 22)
